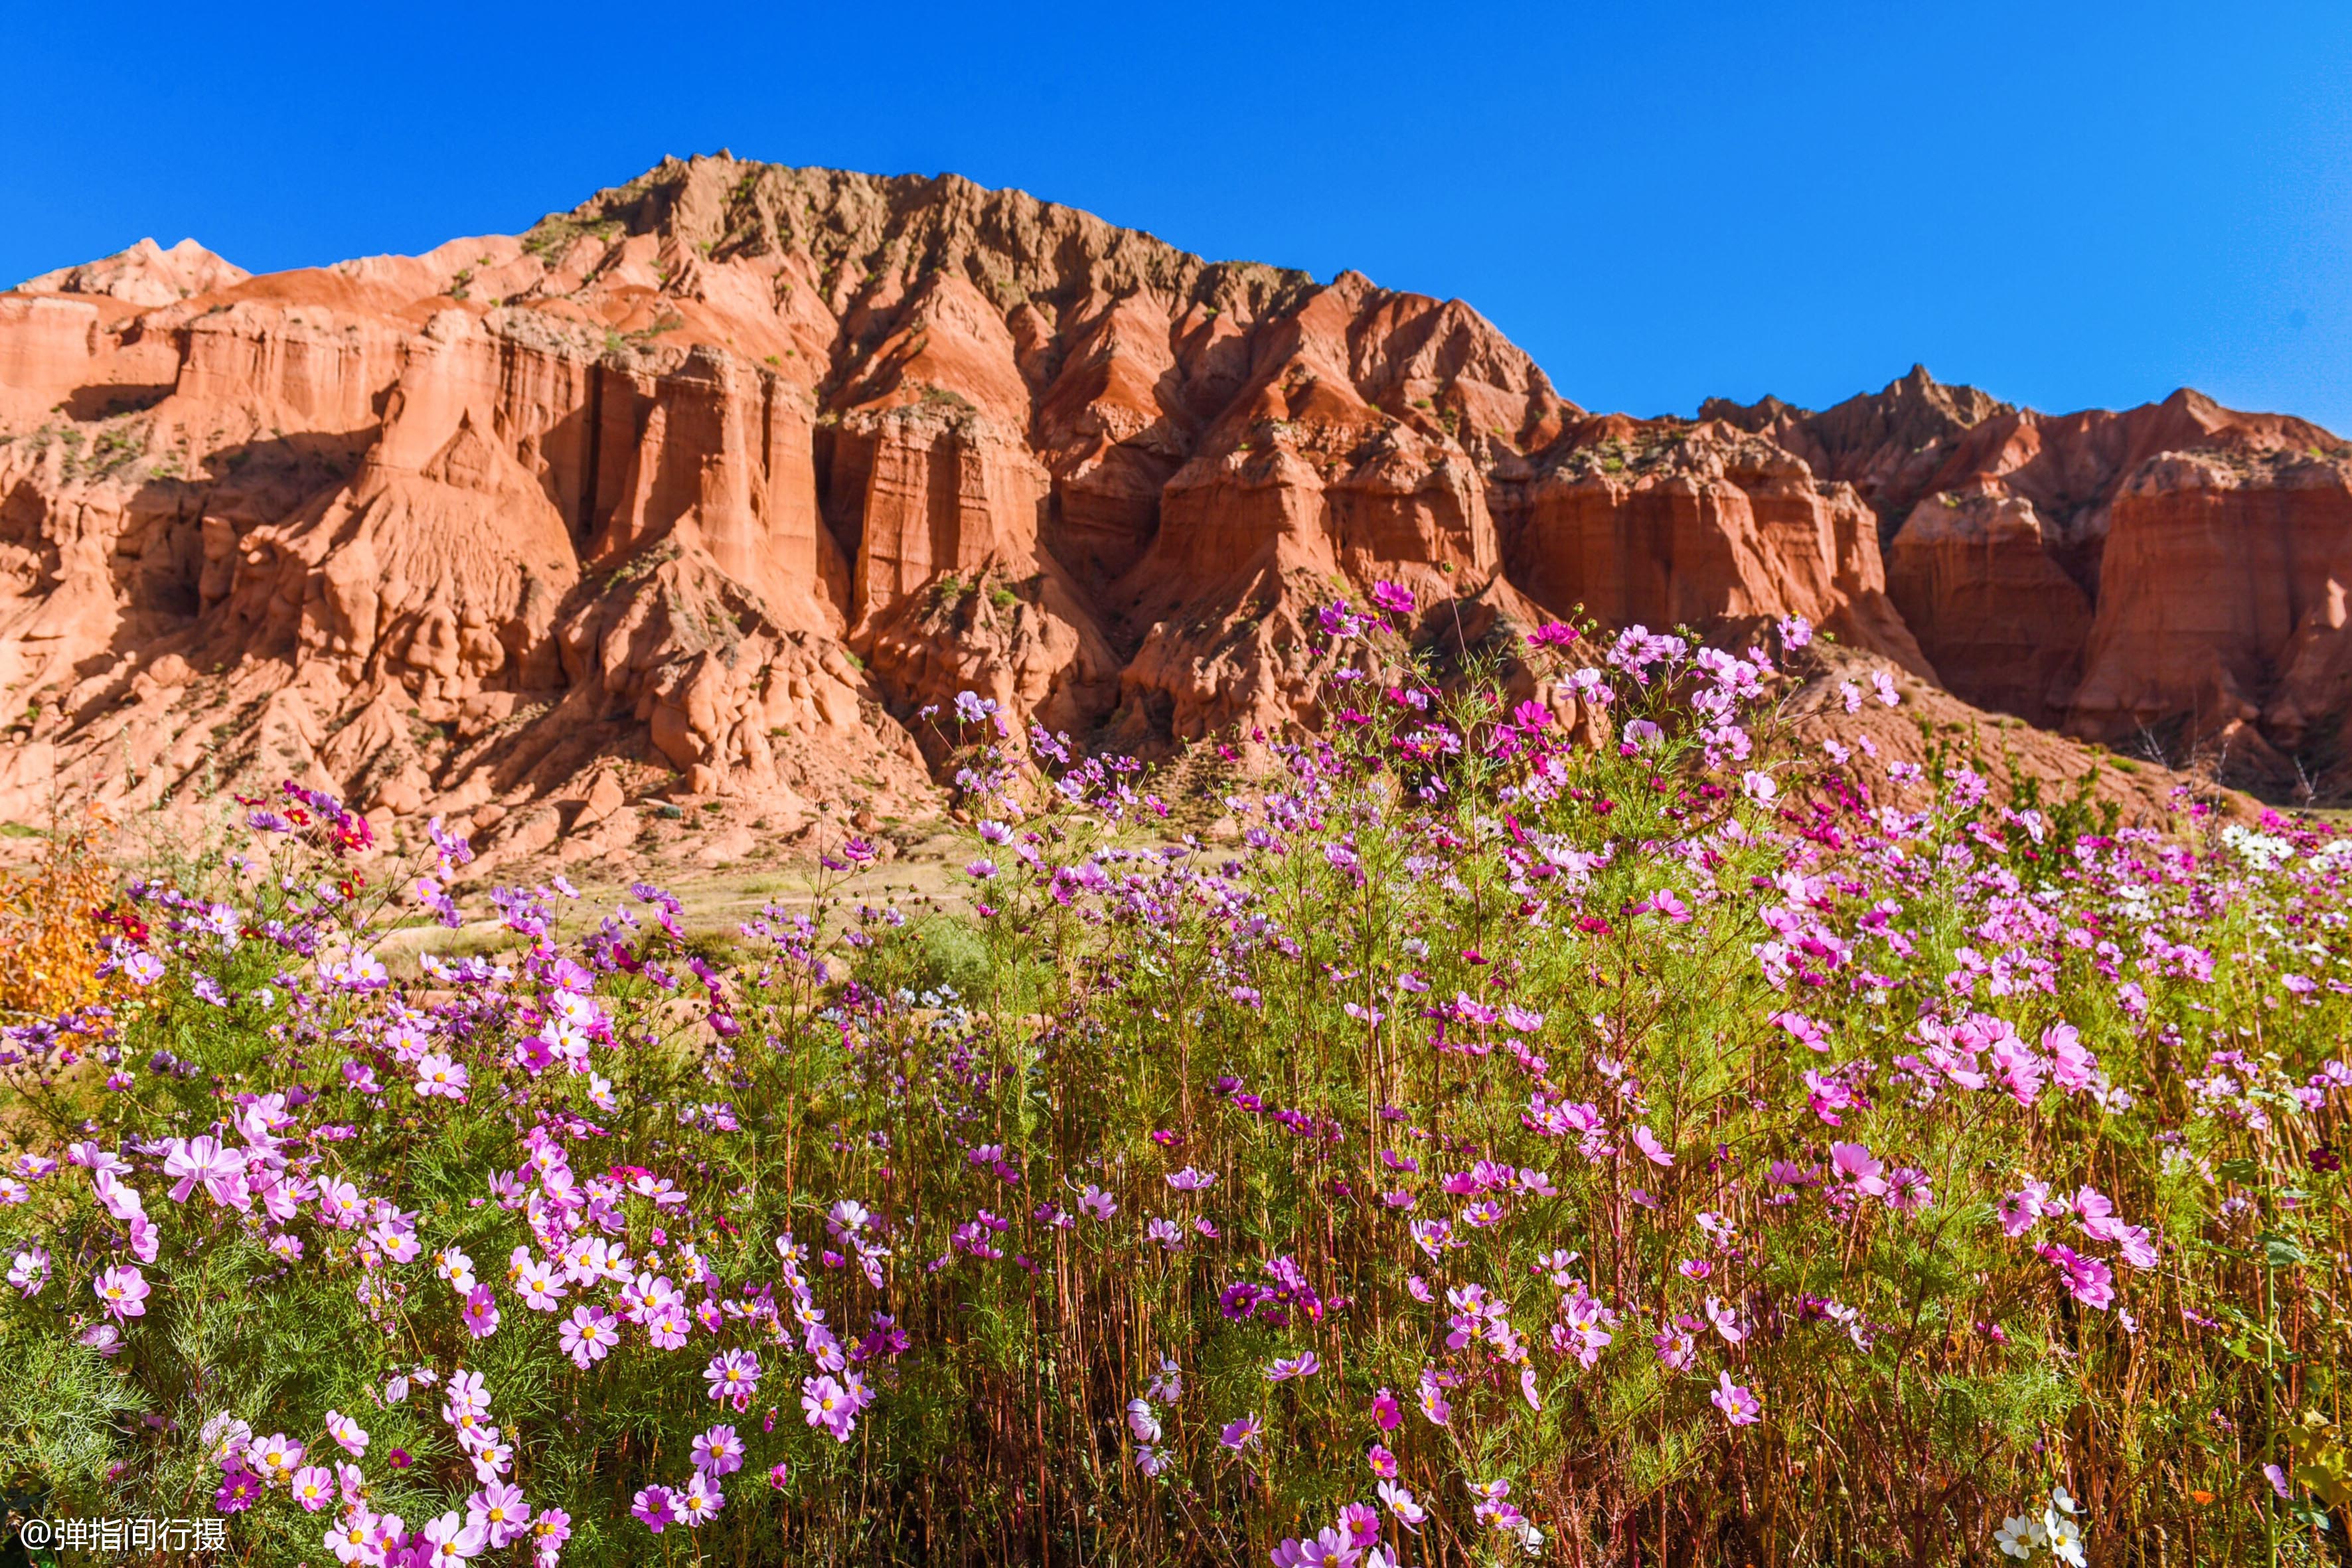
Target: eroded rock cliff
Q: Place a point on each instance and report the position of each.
(714, 484)
(2169, 578)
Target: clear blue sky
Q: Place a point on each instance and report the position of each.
(2068, 204)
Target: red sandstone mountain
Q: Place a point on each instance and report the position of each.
(2175, 571)
(719, 479)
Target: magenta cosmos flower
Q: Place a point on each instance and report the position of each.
(652, 1506)
(239, 1489)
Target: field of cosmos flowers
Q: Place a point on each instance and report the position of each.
(1591, 1130)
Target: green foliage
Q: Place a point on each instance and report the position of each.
(940, 953)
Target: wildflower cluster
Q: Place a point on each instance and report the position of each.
(1545, 1117)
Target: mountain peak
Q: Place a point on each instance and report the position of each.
(903, 227)
(146, 274)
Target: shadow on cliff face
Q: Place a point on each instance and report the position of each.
(172, 554)
(107, 400)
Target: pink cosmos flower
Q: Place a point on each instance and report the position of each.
(481, 1313)
(348, 1434)
(1433, 1399)
(1400, 1502)
(2137, 1246)
(353, 1541)
(1647, 1142)
(276, 1456)
(1329, 1547)
(387, 1535)
(1806, 1032)
(2073, 1068)
(538, 1286)
(734, 1374)
(1363, 1524)
(1854, 1163)
(30, 1270)
(699, 1501)
(498, 1511)
(667, 1326)
(588, 1336)
(338, 1203)
(549, 1531)
(492, 1458)
(1494, 1507)
(1739, 1405)
(466, 1391)
(1239, 1435)
(2020, 1210)
(1907, 1191)
(455, 1268)
(826, 1404)
(717, 1452)
(1725, 1321)
(437, 1074)
(313, 1487)
(123, 1291)
(2088, 1281)
(212, 1162)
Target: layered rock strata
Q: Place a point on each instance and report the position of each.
(713, 486)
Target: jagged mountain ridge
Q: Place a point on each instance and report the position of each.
(729, 471)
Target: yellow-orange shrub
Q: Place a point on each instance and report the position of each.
(53, 928)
